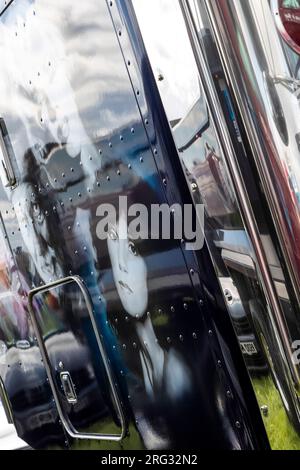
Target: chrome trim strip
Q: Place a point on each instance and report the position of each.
(68, 426)
(6, 403)
(259, 155)
(275, 312)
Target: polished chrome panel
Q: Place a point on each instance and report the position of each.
(284, 343)
(272, 100)
(267, 94)
(245, 256)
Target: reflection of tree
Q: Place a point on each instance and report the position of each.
(290, 4)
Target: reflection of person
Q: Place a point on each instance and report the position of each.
(163, 371)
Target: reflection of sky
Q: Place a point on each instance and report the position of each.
(76, 38)
(163, 27)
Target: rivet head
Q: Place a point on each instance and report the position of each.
(265, 410)
(219, 363)
(60, 365)
(181, 337)
(194, 187)
(194, 335)
(238, 424)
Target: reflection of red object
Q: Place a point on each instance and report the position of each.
(52, 302)
(287, 206)
(290, 23)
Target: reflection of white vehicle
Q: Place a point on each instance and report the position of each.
(9, 439)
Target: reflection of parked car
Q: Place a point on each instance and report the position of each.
(250, 318)
(249, 343)
(30, 393)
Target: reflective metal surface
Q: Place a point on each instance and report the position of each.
(86, 125)
(217, 164)
(266, 89)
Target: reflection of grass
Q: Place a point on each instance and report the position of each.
(131, 442)
(160, 320)
(281, 433)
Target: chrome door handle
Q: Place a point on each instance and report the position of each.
(68, 387)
